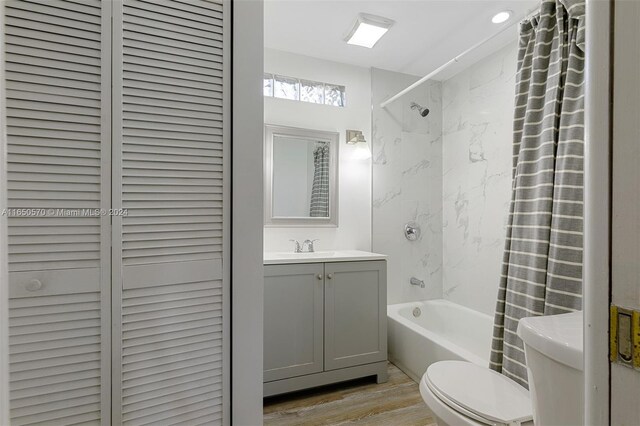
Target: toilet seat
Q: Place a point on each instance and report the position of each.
(479, 393)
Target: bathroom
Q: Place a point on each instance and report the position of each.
(417, 194)
(319, 212)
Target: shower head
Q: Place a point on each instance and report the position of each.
(423, 111)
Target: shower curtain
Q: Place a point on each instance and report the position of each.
(542, 265)
(320, 188)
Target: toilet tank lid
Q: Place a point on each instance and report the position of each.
(557, 336)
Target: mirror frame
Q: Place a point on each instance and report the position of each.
(332, 138)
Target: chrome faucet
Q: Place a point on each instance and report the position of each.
(415, 281)
(309, 244)
(297, 248)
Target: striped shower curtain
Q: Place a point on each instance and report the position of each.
(542, 267)
(320, 188)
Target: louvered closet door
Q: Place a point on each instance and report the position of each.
(57, 79)
(169, 252)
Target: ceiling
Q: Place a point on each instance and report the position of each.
(426, 33)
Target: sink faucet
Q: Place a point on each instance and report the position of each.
(415, 281)
(309, 244)
(297, 248)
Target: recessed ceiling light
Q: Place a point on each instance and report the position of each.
(501, 17)
(368, 29)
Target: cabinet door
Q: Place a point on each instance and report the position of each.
(293, 317)
(355, 313)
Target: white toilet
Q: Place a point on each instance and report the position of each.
(460, 393)
(554, 351)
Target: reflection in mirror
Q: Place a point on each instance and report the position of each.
(301, 177)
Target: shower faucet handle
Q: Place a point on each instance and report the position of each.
(412, 231)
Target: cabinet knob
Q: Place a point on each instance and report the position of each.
(33, 285)
(329, 276)
(319, 276)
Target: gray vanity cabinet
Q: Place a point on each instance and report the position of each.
(293, 320)
(324, 323)
(355, 312)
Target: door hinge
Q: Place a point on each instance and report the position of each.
(624, 336)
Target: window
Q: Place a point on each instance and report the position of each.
(311, 91)
(268, 85)
(334, 95)
(295, 89)
(286, 88)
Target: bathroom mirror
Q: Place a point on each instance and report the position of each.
(300, 177)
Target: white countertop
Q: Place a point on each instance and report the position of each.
(281, 258)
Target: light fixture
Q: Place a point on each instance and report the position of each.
(362, 151)
(368, 29)
(355, 136)
(501, 17)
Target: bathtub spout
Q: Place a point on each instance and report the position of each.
(415, 281)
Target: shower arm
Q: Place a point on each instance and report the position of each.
(454, 60)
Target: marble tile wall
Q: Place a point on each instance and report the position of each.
(476, 181)
(407, 185)
(451, 173)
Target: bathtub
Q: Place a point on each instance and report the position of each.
(441, 330)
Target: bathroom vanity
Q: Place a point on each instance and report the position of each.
(325, 319)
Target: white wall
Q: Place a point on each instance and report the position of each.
(354, 221)
(477, 160)
(407, 185)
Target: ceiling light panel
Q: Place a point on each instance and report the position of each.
(368, 30)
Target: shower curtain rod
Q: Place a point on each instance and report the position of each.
(454, 60)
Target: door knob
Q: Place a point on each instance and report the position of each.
(329, 276)
(319, 276)
(33, 285)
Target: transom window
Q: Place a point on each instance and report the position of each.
(295, 89)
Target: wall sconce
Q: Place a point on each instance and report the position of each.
(362, 151)
(355, 136)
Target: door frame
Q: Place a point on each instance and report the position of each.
(247, 277)
(597, 216)
(625, 201)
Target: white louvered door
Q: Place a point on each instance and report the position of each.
(58, 93)
(118, 105)
(169, 252)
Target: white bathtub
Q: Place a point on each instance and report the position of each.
(443, 330)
